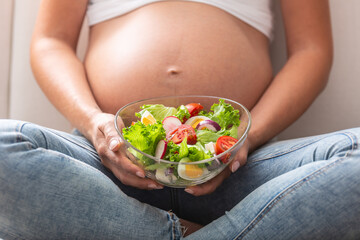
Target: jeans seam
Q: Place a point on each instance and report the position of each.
(76, 143)
(10, 234)
(295, 186)
(348, 134)
(72, 159)
(19, 137)
(175, 234)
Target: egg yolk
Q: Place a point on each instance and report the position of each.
(148, 118)
(196, 122)
(193, 171)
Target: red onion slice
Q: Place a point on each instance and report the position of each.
(209, 124)
(168, 171)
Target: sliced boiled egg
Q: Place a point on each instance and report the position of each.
(194, 121)
(210, 147)
(165, 176)
(190, 171)
(147, 118)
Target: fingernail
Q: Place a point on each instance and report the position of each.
(153, 186)
(113, 144)
(235, 166)
(140, 174)
(189, 191)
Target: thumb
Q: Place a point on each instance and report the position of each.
(115, 142)
(240, 158)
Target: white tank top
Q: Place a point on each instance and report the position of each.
(256, 13)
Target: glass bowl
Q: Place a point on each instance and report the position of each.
(166, 173)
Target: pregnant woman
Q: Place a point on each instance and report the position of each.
(81, 185)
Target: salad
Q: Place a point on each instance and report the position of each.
(184, 134)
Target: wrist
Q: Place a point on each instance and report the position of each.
(254, 140)
(89, 123)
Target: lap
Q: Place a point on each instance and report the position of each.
(28, 136)
(319, 200)
(265, 164)
(268, 162)
(45, 183)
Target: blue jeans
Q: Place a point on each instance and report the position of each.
(53, 186)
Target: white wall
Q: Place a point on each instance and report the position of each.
(336, 108)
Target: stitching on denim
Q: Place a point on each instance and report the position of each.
(9, 233)
(280, 196)
(353, 138)
(46, 142)
(290, 150)
(19, 138)
(295, 186)
(173, 227)
(69, 158)
(299, 147)
(74, 142)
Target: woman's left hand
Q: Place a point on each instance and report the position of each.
(210, 186)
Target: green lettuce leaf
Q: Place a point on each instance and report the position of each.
(182, 112)
(197, 154)
(184, 150)
(159, 111)
(145, 138)
(224, 114)
(206, 136)
(233, 131)
(172, 152)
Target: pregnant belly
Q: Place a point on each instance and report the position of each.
(176, 48)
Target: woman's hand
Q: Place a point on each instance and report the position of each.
(210, 186)
(111, 150)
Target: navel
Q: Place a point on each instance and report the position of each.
(173, 71)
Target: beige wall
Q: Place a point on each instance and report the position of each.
(26, 101)
(336, 108)
(6, 7)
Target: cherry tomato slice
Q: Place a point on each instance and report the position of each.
(223, 143)
(179, 134)
(194, 108)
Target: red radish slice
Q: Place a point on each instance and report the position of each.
(209, 124)
(170, 123)
(161, 149)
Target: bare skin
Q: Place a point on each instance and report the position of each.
(159, 47)
(170, 49)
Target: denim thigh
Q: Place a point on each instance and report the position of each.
(75, 145)
(266, 163)
(319, 200)
(263, 165)
(53, 186)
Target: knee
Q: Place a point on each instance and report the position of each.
(14, 135)
(341, 143)
(353, 135)
(9, 130)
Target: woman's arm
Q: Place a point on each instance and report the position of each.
(294, 88)
(62, 77)
(304, 76)
(60, 74)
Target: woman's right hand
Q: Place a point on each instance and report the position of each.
(111, 150)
